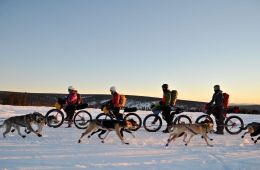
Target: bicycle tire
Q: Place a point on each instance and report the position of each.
(230, 125)
(203, 118)
(151, 118)
(106, 116)
(81, 119)
(136, 118)
(178, 119)
(59, 116)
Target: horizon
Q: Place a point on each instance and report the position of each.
(137, 46)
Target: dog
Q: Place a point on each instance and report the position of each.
(190, 129)
(102, 131)
(109, 125)
(24, 121)
(41, 122)
(253, 129)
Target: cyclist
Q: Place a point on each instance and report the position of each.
(114, 104)
(72, 100)
(165, 107)
(216, 108)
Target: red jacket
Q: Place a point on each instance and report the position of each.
(116, 99)
(73, 98)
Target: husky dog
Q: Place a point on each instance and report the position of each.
(189, 129)
(41, 122)
(253, 129)
(24, 121)
(109, 125)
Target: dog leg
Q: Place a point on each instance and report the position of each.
(184, 138)
(205, 138)
(19, 132)
(211, 139)
(103, 139)
(121, 132)
(118, 129)
(101, 133)
(189, 139)
(27, 131)
(168, 141)
(171, 138)
(90, 128)
(126, 130)
(94, 133)
(29, 127)
(244, 134)
(130, 132)
(257, 139)
(7, 130)
(39, 130)
(208, 138)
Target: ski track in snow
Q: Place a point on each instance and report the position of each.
(58, 149)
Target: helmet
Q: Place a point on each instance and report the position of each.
(216, 87)
(165, 86)
(71, 88)
(113, 88)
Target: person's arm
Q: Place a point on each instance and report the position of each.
(79, 99)
(167, 99)
(212, 100)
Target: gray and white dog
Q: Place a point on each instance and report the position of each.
(25, 121)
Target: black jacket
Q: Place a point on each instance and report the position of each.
(217, 98)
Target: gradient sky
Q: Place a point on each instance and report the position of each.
(136, 45)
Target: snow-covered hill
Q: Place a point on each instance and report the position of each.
(58, 149)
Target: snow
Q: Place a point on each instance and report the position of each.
(58, 149)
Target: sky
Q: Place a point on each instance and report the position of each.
(135, 45)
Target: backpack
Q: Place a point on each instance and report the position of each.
(225, 100)
(122, 101)
(174, 95)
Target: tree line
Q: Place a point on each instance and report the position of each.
(44, 99)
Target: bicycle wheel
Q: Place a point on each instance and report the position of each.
(81, 119)
(136, 118)
(152, 123)
(54, 118)
(104, 116)
(234, 125)
(204, 119)
(182, 119)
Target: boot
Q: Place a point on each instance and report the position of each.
(166, 130)
(69, 124)
(220, 131)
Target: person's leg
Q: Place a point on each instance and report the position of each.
(70, 112)
(219, 117)
(118, 115)
(167, 117)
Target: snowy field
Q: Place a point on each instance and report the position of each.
(58, 149)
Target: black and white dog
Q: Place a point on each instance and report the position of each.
(253, 129)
